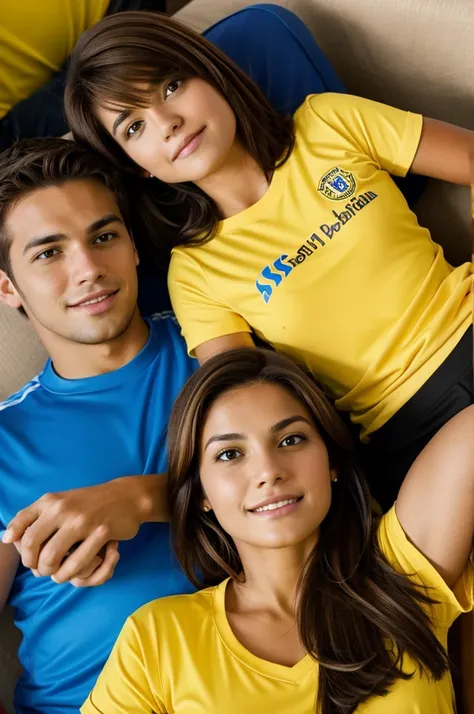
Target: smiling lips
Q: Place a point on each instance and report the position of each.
(277, 507)
(189, 145)
(96, 303)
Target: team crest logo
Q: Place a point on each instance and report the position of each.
(337, 184)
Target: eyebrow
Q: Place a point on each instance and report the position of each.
(234, 436)
(119, 119)
(39, 241)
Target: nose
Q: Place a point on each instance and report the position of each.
(269, 471)
(86, 267)
(167, 122)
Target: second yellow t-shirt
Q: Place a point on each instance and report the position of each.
(179, 655)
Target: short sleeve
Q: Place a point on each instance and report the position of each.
(389, 136)
(124, 686)
(201, 314)
(405, 558)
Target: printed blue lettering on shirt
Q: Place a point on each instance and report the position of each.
(59, 434)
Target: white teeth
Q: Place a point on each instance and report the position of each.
(92, 302)
(273, 506)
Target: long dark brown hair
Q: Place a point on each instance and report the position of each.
(351, 601)
(147, 48)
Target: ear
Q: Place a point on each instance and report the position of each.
(8, 293)
(333, 473)
(205, 505)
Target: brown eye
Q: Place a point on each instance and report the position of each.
(227, 455)
(104, 238)
(172, 86)
(292, 440)
(133, 129)
(46, 254)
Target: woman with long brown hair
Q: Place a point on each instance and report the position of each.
(289, 228)
(311, 603)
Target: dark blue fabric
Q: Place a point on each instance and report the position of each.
(278, 51)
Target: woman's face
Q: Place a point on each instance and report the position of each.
(264, 468)
(185, 134)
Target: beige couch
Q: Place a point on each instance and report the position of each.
(416, 54)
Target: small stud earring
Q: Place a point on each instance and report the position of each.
(207, 508)
(334, 480)
(150, 176)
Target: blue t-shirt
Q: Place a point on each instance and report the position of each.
(59, 434)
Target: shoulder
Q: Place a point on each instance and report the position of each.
(21, 401)
(334, 109)
(165, 320)
(184, 261)
(190, 275)
(170, 342)
(326, 104)
(174, 613)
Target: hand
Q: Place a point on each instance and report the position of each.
(101, 568)
(47, 530)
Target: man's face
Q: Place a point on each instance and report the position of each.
(73, 263)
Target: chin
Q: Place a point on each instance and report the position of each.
(99, 335)
(287, 540)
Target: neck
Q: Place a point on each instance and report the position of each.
(74, 360)
(271, 577)
(237, 184)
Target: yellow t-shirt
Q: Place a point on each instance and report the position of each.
(36, 38)
(331, 266)
(179, 655)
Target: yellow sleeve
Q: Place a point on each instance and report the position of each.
(405, 558)
(389, 136)
(124, 685)
(201, 314)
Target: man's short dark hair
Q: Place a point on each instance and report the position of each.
(33, 164)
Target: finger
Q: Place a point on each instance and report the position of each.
(55, 549)
(104, 572)
(86, 572)
(18, 525)
(81, 557)
(34, 541)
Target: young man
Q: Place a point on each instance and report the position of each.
(97, 412)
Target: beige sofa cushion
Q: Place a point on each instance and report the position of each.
(22, 355)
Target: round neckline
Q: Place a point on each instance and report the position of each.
(271, 195)
(52, 382)
(269, 669)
